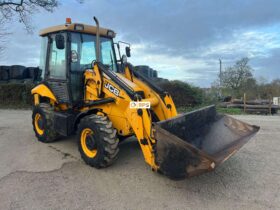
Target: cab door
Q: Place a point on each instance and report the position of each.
(57, 65)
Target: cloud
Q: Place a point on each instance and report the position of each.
(202, 66)
(269, 66)
(181, 39)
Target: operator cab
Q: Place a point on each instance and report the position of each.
(67, 51)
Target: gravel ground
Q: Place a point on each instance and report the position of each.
(34, 175)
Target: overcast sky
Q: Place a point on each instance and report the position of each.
(181, 39)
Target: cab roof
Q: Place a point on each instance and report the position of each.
(78, 27)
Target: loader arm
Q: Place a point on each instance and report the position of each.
(165, 99)
(125, 89)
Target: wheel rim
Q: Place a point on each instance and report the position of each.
(39, 124)
(88, 143)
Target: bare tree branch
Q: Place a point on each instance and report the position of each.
(3, 2)
(22, 11)
(3, 35)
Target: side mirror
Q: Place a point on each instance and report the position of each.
(127, 51)
(59, 41)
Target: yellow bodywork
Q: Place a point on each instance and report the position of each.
(71, 27)
(127, 121)
(42, 91)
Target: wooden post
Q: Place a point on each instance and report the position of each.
(244, 102)
(270, 104)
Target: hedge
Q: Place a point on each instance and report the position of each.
(15, 95)
(183, 94)
(19, 94)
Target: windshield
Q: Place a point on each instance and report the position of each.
(83, 52)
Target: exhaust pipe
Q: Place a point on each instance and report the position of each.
(97, 43)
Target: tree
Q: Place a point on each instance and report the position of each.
(3, 34)
(269, 89)
(22, 11)
(249, 87)
(237, 77)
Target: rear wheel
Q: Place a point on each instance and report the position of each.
(43, 123)
(97, 141)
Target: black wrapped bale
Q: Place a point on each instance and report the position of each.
(17, 72)
(4, 73)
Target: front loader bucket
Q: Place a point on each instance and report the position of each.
(198, 141)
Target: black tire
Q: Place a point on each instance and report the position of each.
(46, 123)
(103, 138)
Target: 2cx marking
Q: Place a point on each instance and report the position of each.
(112, 89)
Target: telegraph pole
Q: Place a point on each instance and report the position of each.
(220, 78)
(220, 75)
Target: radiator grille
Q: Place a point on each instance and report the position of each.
(60, 90)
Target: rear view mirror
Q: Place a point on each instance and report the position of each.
(127, 51)
(59, 41)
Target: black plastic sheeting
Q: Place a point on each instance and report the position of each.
(18, 72)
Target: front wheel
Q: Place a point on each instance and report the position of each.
(97, 141)
(43, 123)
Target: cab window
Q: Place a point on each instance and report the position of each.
(83, 52)
(43, 57)
(57, 60)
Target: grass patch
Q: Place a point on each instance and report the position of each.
(189, 108)
(231, 111)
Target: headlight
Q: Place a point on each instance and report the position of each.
(79, 27)
(110, 33)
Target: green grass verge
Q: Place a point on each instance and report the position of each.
(189, 108)
(231, 111)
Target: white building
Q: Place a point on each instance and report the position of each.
(276, 101)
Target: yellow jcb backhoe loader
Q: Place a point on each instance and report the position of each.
(87, 91)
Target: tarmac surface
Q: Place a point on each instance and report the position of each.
(34, 175)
